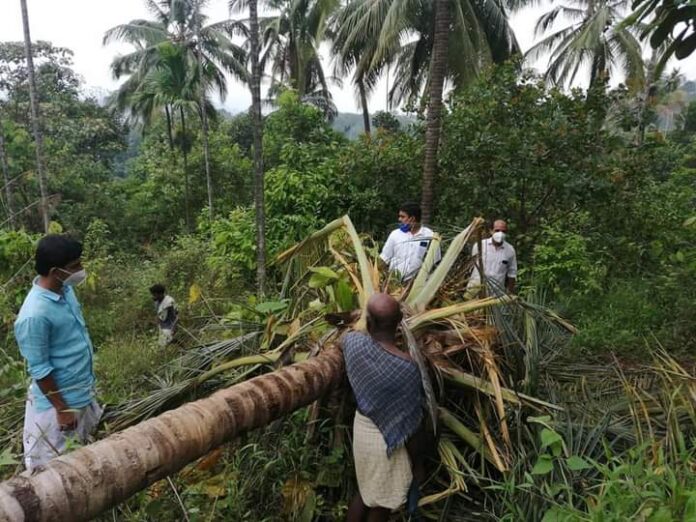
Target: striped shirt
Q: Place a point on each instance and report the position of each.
(387, 388)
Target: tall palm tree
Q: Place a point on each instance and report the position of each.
(438, 70)
(355, 55)
(209, 49)
(35, 117)
(426, 42)
(254, 41)
(202, 103)
(372, 35)
(292, 39)
(593, 37)
(172, 83)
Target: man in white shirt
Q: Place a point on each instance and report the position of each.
(499, 262)
(407, 246)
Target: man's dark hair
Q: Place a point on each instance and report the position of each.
(157, 289)
(56, 251)
(412, 209)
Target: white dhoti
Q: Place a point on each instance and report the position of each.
(166, 335)
(43, 438)
(383, 481)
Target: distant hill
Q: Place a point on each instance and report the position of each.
(351, 125)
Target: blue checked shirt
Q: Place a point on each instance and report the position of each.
(387, 388)
(52, 337)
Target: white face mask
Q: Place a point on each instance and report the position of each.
(75, 278)
(499, 237)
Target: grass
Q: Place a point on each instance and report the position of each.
(123, 363)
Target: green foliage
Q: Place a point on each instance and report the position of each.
(294, 123)
(374, 176)
(16, 274)
(513, 148)
(689, 118)
(234, 243)
(565, 262)
(386, 122)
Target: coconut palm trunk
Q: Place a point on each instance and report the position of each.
(9, 204)
(170, 135)
(82, 484)
(364, 106)
(35, 120)
(184, 151)
(206, 154)
(438, 70)
(204, 114)
(256, 121)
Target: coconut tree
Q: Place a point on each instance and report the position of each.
(115, 468)
(355, 55)
(452, 335)
(173, 83)
(432, 129)
(201, 105)
(209, 49)
(427, 42)
(35, 116)
(373, 34)
(592, 37)
(292, 39)
(257, 129)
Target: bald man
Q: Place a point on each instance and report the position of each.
(499, 262)
(387, 432)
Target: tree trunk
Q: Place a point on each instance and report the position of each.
(184, 150)
(35, 120)
(169, 127)
(82, 484)
(363, 104)
(204, 119)
(257, 123)
(646, 102)
(438, 69)
(9, 200)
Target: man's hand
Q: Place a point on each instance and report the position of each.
(67, 420)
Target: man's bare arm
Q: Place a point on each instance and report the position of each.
(416, 447)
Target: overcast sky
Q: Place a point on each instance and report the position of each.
(80, 26)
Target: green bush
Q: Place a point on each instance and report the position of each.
(565, 262)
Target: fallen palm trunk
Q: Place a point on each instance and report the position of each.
(82, 484)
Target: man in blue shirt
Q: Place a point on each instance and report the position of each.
(52, 336)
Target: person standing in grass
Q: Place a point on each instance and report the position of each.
(167, 314)
(52, 336)
(499, 261)
(388, 429)
(406, 247)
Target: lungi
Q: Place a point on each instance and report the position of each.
(383, 481)
(43, 438)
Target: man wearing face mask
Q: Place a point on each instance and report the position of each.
(406, 247)
(53, 338)
(499, 262)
